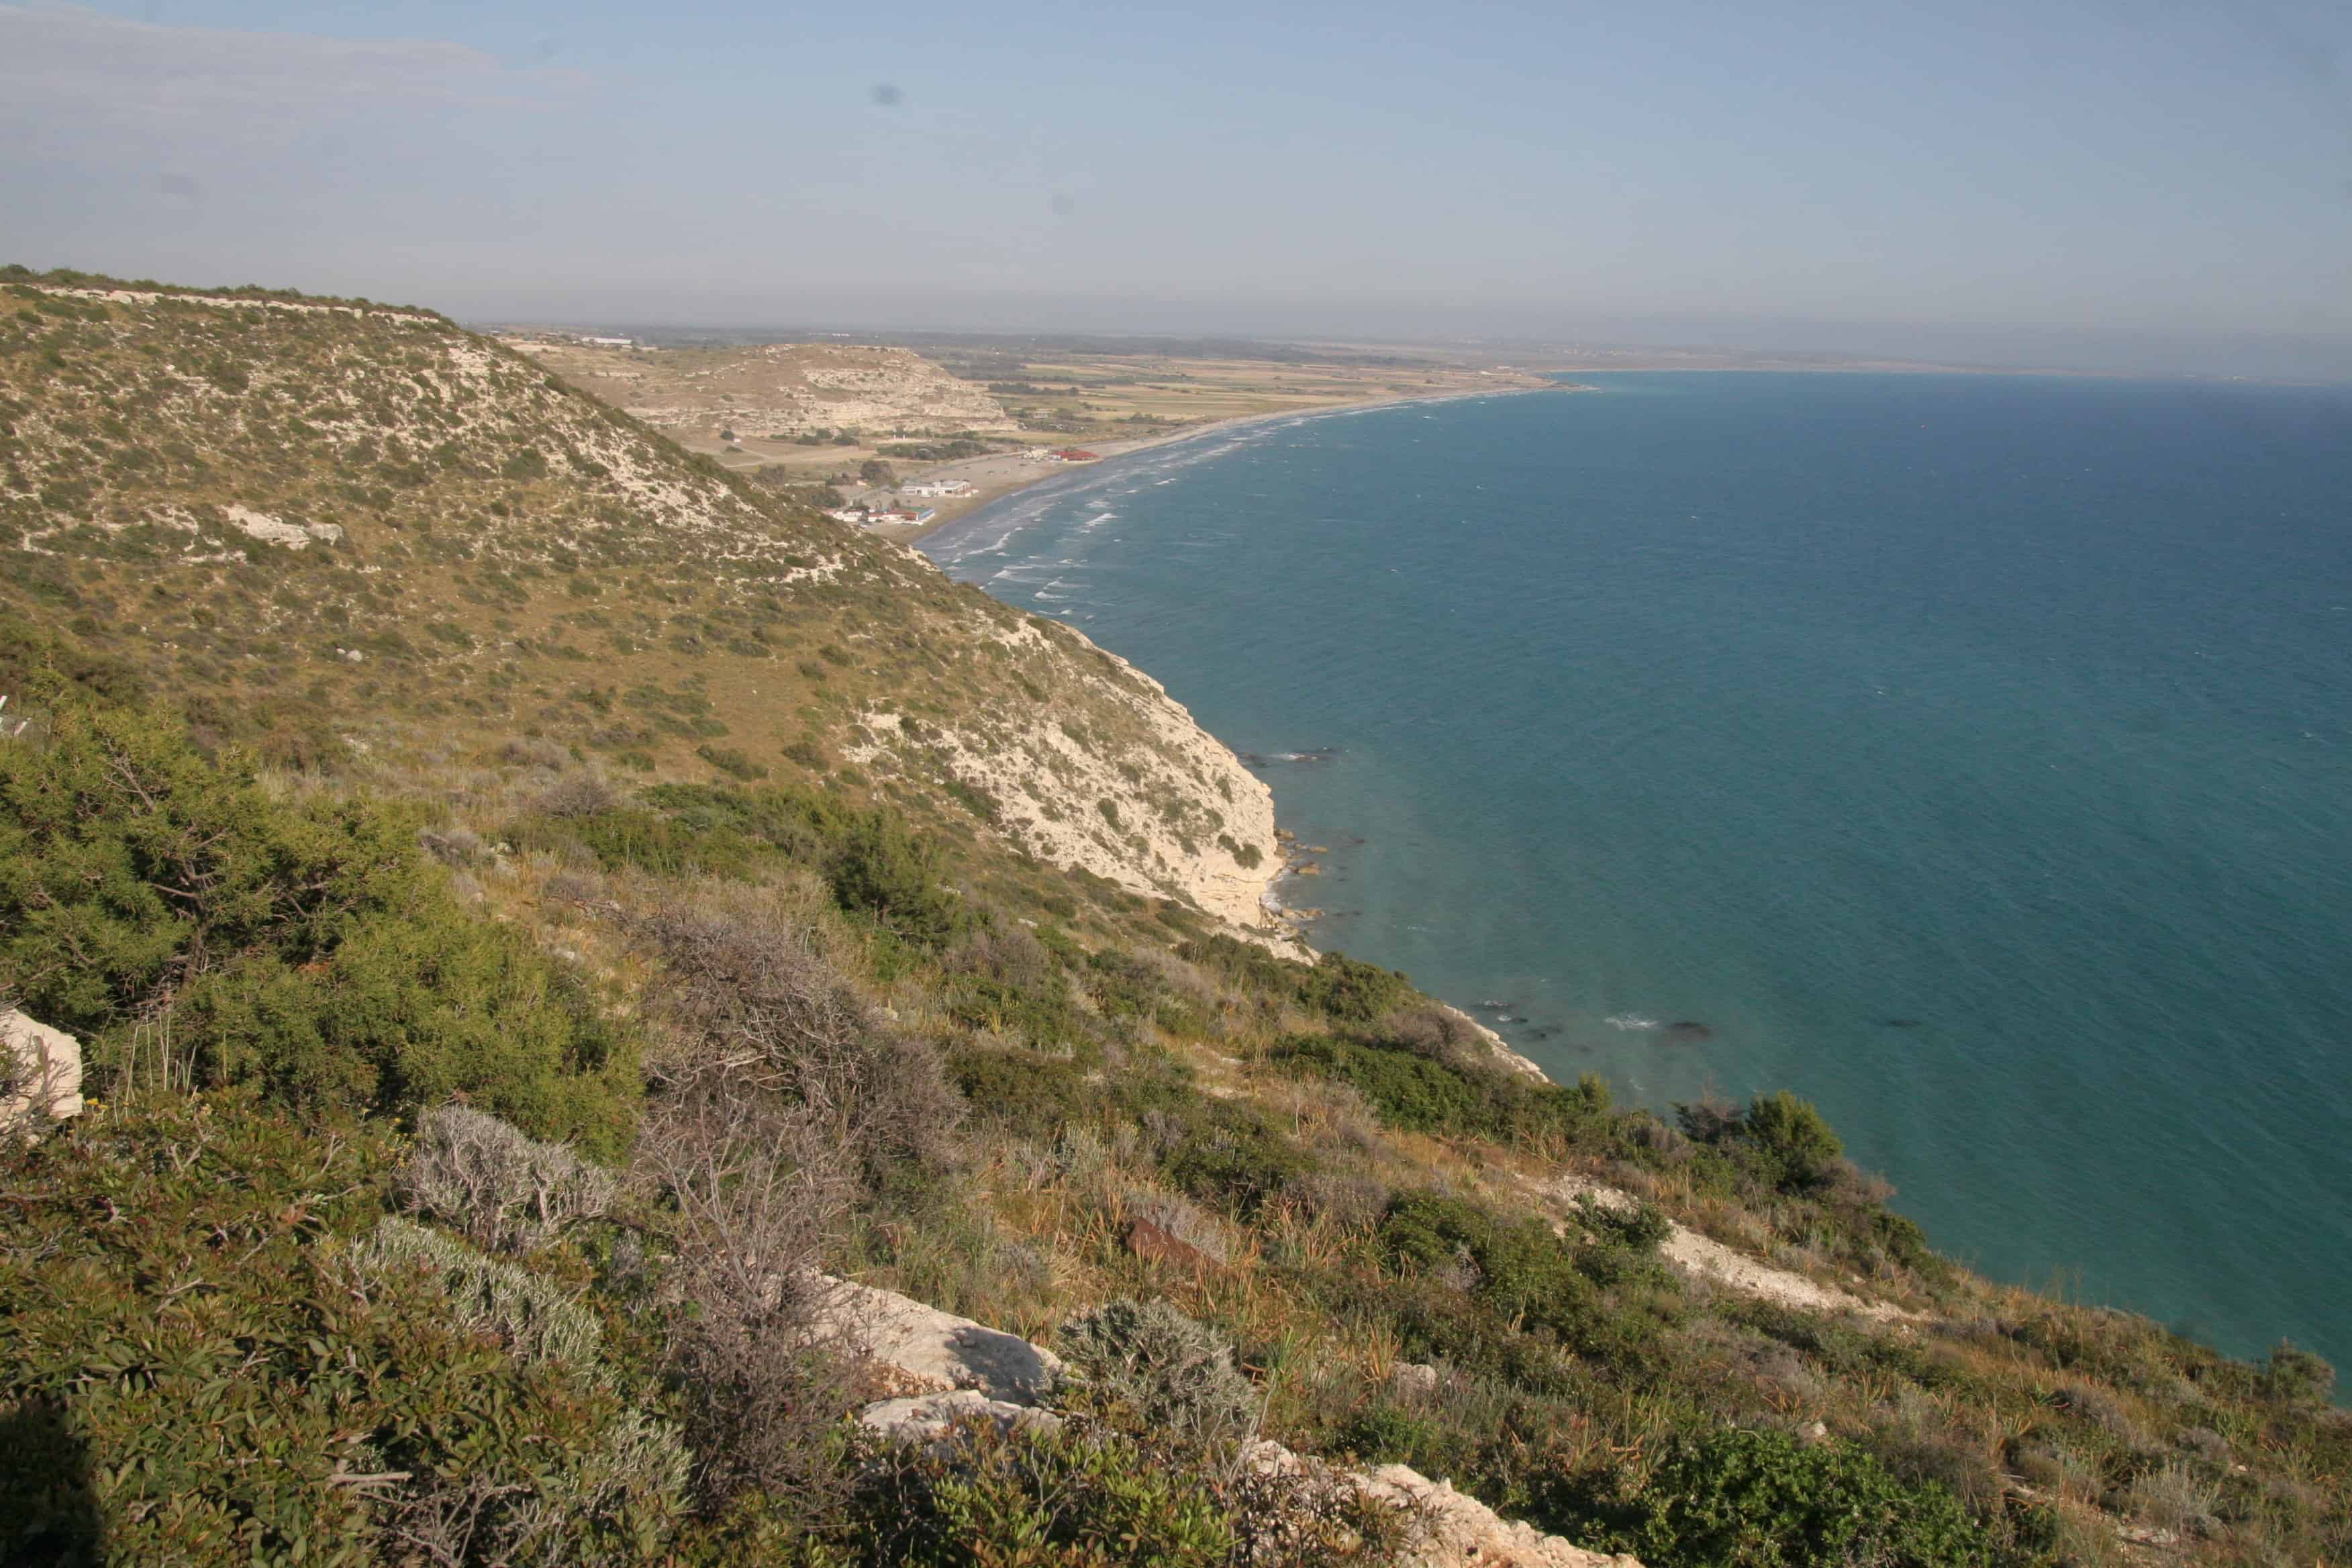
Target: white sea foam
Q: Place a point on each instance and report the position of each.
(1630, 1021)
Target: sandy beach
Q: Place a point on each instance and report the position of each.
(1000, 474)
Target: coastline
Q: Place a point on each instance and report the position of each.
(1278, 924)
(989, 495)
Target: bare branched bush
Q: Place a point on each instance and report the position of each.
(756, 1186)
(507, 1191)
(779, 1097)
(752, 1000)
(581, 793)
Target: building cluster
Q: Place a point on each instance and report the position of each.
(899, 516)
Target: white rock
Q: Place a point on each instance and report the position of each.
(273, 531)
(44, 1070)
(927, 1418)
(1457, 1530)
(939, 1347)
(1413, 1377)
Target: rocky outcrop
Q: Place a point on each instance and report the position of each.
(934, 1351)
(980, 1373)
(1117, 780)
(1455, 1530)
(928, 1418)
(1459, 1531)
(42, 1071)
(1706, 1258)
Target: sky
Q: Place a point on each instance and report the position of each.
(2138, 185)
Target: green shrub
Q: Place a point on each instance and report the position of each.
(1230, 1154)
(1409, 1089)
(2295, 1376)
(1759, 1500)
(1793, 1137)
(194, 930)
(1082, 1497)
(1033, 1096)
(1037, 1499)
(1353, 991)
(1038, 1010)
(731, 762)
(213, 1377)
(883, 872)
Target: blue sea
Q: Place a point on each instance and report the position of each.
(1970, 754)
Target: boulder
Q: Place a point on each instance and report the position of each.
(928, 1418)
(1414, 1379)
(42, 1071)
(1454, 1530)
(940, 1349)
(1459, 1531)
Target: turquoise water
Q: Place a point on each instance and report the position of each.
(1972, 755)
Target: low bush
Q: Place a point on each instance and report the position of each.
(1230, 1154)
(2295, 1376)
(196, 931)
(506, 1192)
(1759, 1499)
(1082, 1497)
(1785, 1143)
(1160, 1371)
(1452, 1092)
(1029, 1095)
(228, 1370)
(526, 1312)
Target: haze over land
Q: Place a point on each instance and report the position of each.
(2163, 188)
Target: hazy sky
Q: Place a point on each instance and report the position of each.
(2140, 182)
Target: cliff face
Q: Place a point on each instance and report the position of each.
(333, 526)
(1140, 794)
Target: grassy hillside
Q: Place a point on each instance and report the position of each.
(475, 1108)
(335, 530)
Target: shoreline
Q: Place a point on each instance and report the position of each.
(1128, 447)
(1277, 924)
(1280, 925)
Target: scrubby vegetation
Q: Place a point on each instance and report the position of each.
(474, 1118)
